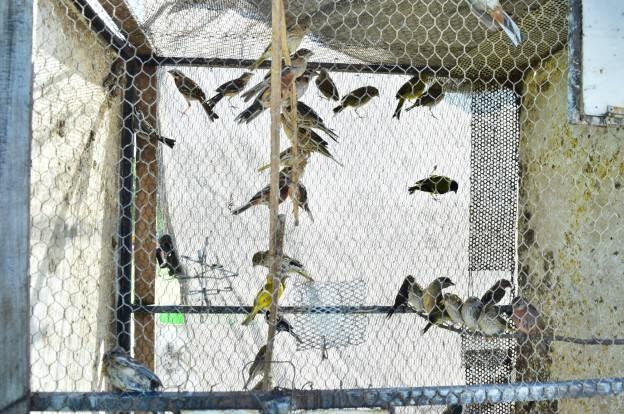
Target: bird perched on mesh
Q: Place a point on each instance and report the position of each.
(262, 196)
(289, 265)
(357, 98)
(257, 366)
(127, 374)
(494, 17)
(230, 89)
(526, 317)
(294, 35)
(144, 128)
(435, 184)
(412, 89)
(113, 80)
(282, 325)
(326, 85)
(496, 293)
(432, 97)
(308, 140)
(191, 92)
(264, 298)
(491, 322)
(470, 312)
(410, 294)
(308, 118)
(448, 311)
(167, 256)
(264, 100)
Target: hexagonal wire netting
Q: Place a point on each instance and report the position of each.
(135, 180)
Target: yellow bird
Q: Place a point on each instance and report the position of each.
(264, 298)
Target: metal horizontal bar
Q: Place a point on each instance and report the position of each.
(284, 400)
(376, 68)
(283, 309)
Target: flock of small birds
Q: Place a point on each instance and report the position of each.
(482, 315)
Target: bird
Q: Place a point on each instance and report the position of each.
(146, 129)
(453, 409)
(435, 184)
(282, 325)
(308, 140)
(127, 374)
(264, 100)
(433, 96)
(303, 82)
(526, 317)
(257, 366)
(287, 158)
(289, 265)
(491, 322)
(264, 298)
(412, 89)
(410, 294)
(357, 98)
(496, 293)
(112, 81)
(294, 35)
(450, 311)
(230, 89)
(432, 295)
(301, 199)
(308, 118)
(326, 85)
(167, 256)
(191, 92)
(470, 312)
(262, 197)
(494, 17)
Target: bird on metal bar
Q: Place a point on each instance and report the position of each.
(494, 17)
(412, 89)
(257, 366)
(308, 118)
(262, 197)
(146, 129)
(470, 312)
(264, 298)
(433, 299)
(435, 185)
(496, 293)
(127, 374)
(282, 325)
(448, 311)
(410, 294)
(432, 97)
(230, 89)
(192, 92)
(294, 35)
(491, 322)
(357, 98)
(325, 84)
(289, 265)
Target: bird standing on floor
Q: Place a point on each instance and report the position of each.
(308, 118)
(357, 98)
(494, 17)
(412, 89)
(127, 374)
(191, 92)
(432, 97)
(264, 298)
(145, 129)
(491, 322)
(262, 197)
(410, 294)
(449, 312)
(230, 89)
(435, 184)
(294, 35)
(289, 265)
(526, 317)
(257, 366)
(326, 85)
(470, 312)
(282, 325)
(496, 293)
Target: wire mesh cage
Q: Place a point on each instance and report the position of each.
(449, 241)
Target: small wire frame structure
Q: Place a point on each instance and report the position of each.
(120, 158)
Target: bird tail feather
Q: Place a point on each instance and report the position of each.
(304, 274)
(426, 328)
(208, 108)
(250, 113)
(511, 29)
(397, 111)
(338, 109)
(250, 317)
(413, 189)
(215, 100)
(167, 141)
(239, 210)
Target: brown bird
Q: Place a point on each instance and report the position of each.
(308, 140)
(262, 196)
(230, 88)
(526, 317)
(257, 366)
(289, 265)
(496, 293)
(146, 129)
(294, 35)
(432, 296)
(264, 101)
(491, 322)
(326, 85)
(287, 158)
(448, 311)
(432, 97)
(301, 199)
(357, 98)
(113, 81)
(282, 325)
(412, 89)
(470, 312)
(308, 118)
(191, 92)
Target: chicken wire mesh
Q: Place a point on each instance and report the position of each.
(134, 241)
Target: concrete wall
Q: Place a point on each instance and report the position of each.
(75, 150)
(570, 235)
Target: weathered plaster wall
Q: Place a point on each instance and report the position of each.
(570, 235)
(75, 150)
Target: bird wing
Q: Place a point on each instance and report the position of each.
(133, 369)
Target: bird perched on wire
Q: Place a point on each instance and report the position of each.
(433, 96)
(264, 298)
(230, 89)
(289, 265)
(127, 374)
(526, 317)
(308, 118)
(113, 81)
(308, 140)
(435, 184)
(496, 293)
(326, 85)
(191, 92)
(449, 311)
(144, 128)
(494, 17)
(167, 256)
(470, 312)
(262, 196)
(357, 98)
(412, 89)
(491, 322)
(410, 294)
(282, 325)
(432, 295)
(294, 35)
(257, 366)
